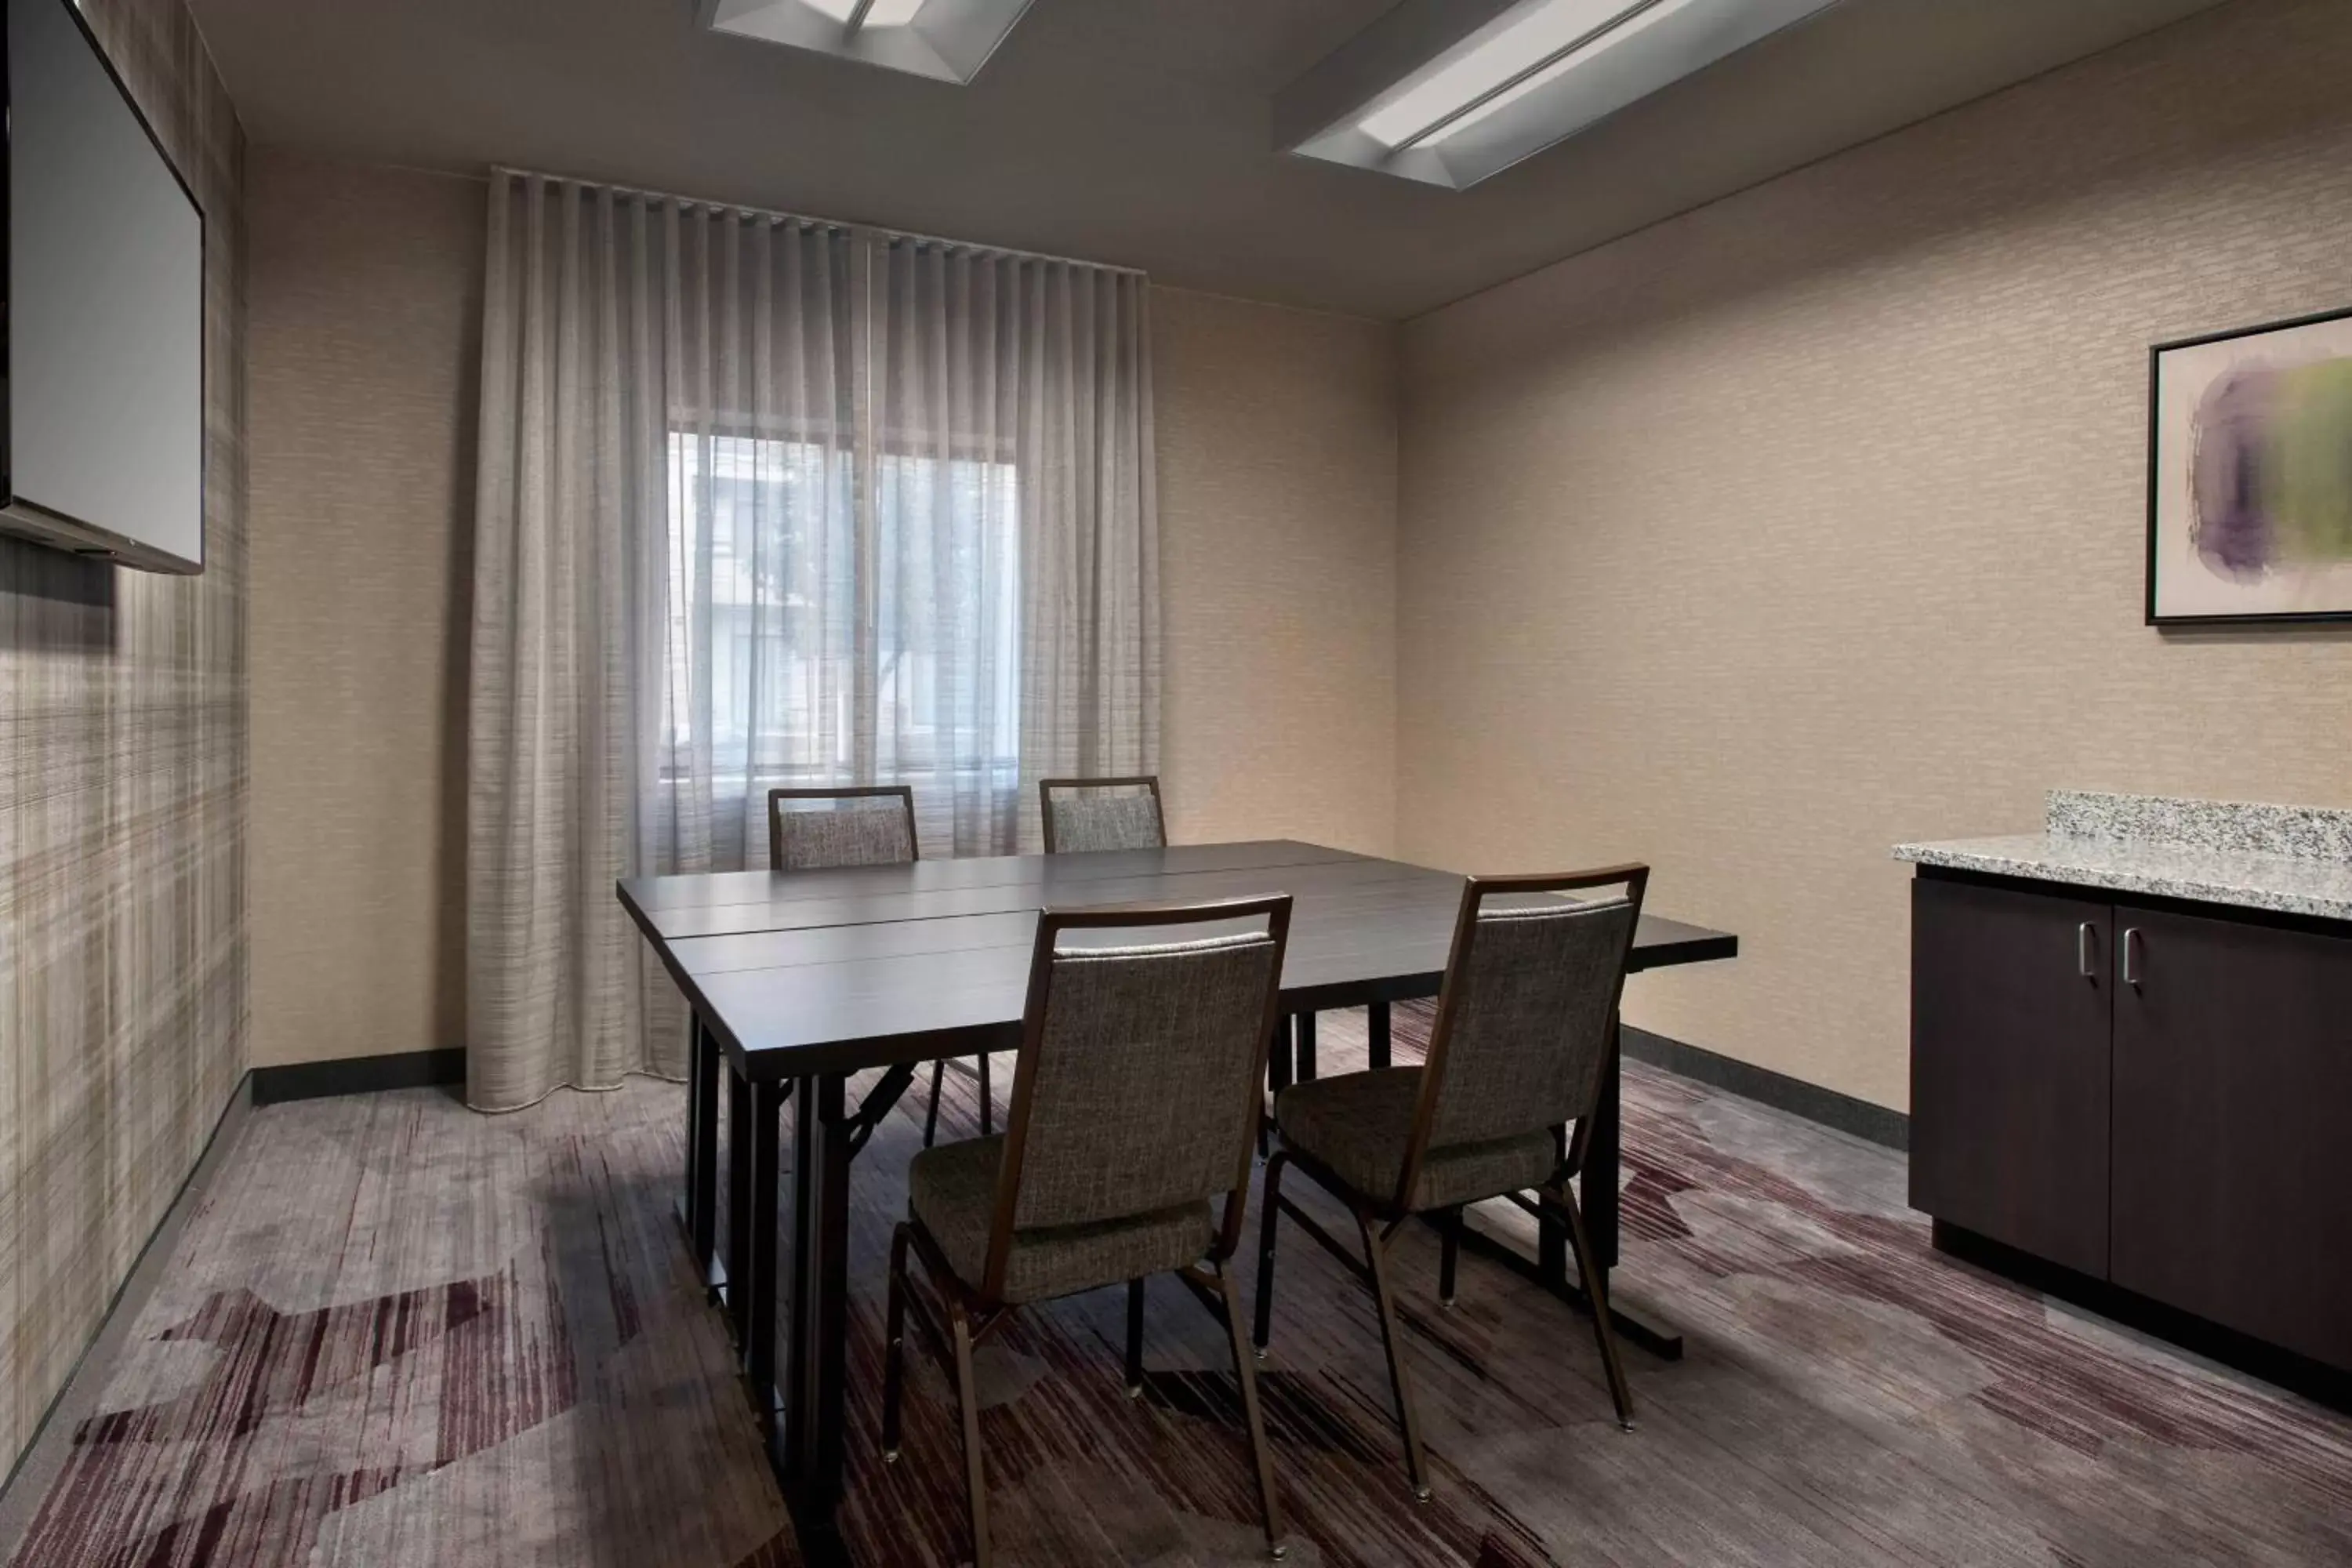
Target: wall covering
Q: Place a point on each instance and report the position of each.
(1813, 521)
(365, 346)
(1278, 437)
(123, 822)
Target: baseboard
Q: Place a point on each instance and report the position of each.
(2314, 1381)
(1873, 1123)
(31, 1470)
(357, 1075)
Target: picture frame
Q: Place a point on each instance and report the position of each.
(2250, 476)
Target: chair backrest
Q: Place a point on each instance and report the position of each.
(1138, 1085)
(832, 829)
(1102, 814)
(1528, 1010)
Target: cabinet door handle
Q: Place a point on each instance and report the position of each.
(2131, 971)
(2083, 951)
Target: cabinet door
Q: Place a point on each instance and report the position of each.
(2233, 1127)
(2010, 1030)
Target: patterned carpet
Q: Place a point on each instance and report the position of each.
(396, 1333)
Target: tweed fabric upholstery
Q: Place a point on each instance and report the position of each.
(1358, 1125)
(1529, 1038)
(951, 1190)
(1144, 1091)
(1121, 819)
(857, 832)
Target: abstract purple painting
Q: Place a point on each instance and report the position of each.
(2250, 474)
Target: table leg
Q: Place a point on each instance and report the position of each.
(702, 1145)
(1376, 1031)
(1551, 1234)
(1277, 1058)
(1302, 1068)
(766, 1175)
(1598, 1191)
(737, 1286)
(814, 1412)
(1597, 1194)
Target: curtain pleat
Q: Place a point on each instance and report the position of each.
(760, 502)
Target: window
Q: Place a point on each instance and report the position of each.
(948, 643)
(771, 650)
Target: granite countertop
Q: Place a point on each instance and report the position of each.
(2290, 859)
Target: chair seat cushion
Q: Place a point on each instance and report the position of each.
(1357, 1125)
(952, 1191)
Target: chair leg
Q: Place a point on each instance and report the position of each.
(1392, 1341)
(931, 1117)
(1135, 1339)
(894, 1347)
(1596, 1291)
(975, 1480)
(987, 1099)
(1246, 1376)
(1270, 1201)
(1449, 1253)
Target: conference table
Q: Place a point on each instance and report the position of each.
(799, 980)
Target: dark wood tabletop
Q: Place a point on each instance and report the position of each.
(807, 973)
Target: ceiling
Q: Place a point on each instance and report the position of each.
(1134, 132)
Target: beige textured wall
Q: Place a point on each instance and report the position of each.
(122, 823)
(1813, 521)
(365, 346)
(1277, 433)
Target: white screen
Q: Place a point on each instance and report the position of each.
(105, 300)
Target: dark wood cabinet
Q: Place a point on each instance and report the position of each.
(2009, 1071)
(2145, 1094)
(2232, 1127)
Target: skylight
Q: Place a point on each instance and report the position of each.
(1452, 96)
(947, 39)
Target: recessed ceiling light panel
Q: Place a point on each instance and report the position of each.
(947, 39)
(1449, 93)
(875, 13)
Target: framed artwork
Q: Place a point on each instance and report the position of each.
(2250, 476)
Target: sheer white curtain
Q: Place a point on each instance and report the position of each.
(767, 502)
(1016, 538)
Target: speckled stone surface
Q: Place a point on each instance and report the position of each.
(2304, 832)
(2291, 859)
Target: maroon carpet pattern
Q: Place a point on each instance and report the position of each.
(400, 1333)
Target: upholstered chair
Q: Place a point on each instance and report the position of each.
(1527, 1019)
(1127, 1152)
(831, 830)
(1102, 814)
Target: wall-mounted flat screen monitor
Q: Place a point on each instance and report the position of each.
(103, 446)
